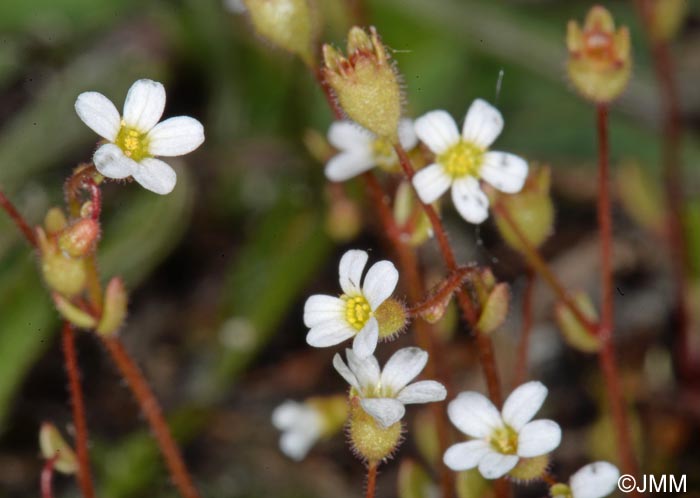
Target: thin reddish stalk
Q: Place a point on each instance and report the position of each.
(606, 355)
(18, 219)
(523, 346)
(538, 263)
(84, 476)
(154, 415)
(47, 477)
(371, 480)
(673, 184)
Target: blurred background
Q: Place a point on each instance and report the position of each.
(219, 270)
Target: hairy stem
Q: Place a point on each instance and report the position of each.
(523, 346)
(46, 479)
(153, 413)
(371, 480)
(18, 219)
(84, 476)
(606, 355)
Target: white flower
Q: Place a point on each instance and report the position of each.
(383, 393)
(136, 136)
(332, 320)
(301, 425)
(501, 439)
(595, 480)
(460, 161)
(361, 150)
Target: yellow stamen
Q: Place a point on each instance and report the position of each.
(462, 159)
(504, 440)
(357, 311)
(132, 142)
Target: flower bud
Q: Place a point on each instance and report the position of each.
(410, 216)
(667, 17)
(288, 24)
(471, 484)
(414, 481)
(72, 313)
(560, 490)
(529, 469)
(494, 310)
(62, 273)
(531, 210)
(391, 317)
(366, 83)
(641, 196)
(344, 219)
(54, 221)
(574, 332)
(115, 308)
(370, 441)
(600, 62)
(79, 239)
(333, 410)
(53, 445)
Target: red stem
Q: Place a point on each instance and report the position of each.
(606, 355)
(47, 477)
(84, 476)
(521, 365)
(371, 480)
(151, 409)
(18, 219)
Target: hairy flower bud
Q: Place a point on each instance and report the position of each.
(529, 469)
(370, 441)
(365, 83)
(79, 238)
(495, 310)
(71, 313)
(392, 318)
(666, 18)
(289, 24)
(53, 445)
(410, 215)
(115, 308)
(333, 411)
(55, 221)
(574, 332)
(62, 273)
(600, 62)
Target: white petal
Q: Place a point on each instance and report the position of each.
(329, 333)
(538, 438)
(425, 391)
(296, 444)
(111, 162)
(365, 341)
(523, 403)
(473, 414)
(471, 202)
(98, 112)
(379, 283)
(346, 165)
(437, 130)
(365, 369)
(594, 480)
(431, 182)
(343, 370)
(320, 308)
(144, 105)
(407, 134)
(155, 175)
(465, 456)
(494, 465)
(506, 172)
(386, 411)
(175, 136)
(350, 137)
(403, 367)
(350, 269)
(483, 123)
(286, 414)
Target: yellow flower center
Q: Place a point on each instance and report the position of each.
(132, 142)
(384, 155)
(357, 311)
(462, 159)
(504, 440)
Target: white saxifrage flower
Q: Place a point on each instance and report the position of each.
(332, 320)
(136, 137)
(383, 393)
(301, 425)
(501, 439)
(462, 160)
(361, 150)
(595, 480)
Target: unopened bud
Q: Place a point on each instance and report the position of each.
(529, 469)
(366, 83)
(53, 445)
(370, 441)
(495, 310)
(575, 333)
(531, 210)
(410, 215)
(333, 411)
(289, 24)
(62, 273)
(392, 318)
(600, 62)
(560, 490)
(79, 239)
(71, 313)
(55, 221)
(667, 17)
(641, 196)
(344, 219)
(115, 308)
